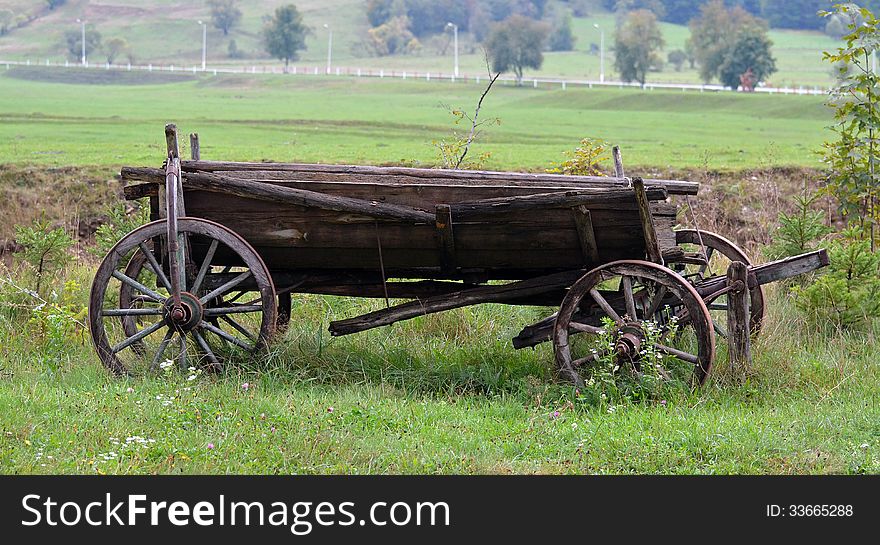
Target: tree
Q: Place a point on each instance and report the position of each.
(561, 37)
(393, 37)
(676, 58)
(285, 34)
(515, 44)
(73, 40)
(224, 15)
(55, 3)
(715, 32)
(113, 48)
(636, 45)
(749, 53)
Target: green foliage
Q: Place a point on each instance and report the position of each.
(852, 158)
(73, 42)
(750, 50)
(426, 16)
(6, 18)
(798, 232)
(451, 150)
(794, 13)
(610, 381)
(847, 294)
(585, 160)
(233, 52)
(285, 34)
(120, 221)
(393, 37)
(46, 249)
(225, 15)
(57, 322)
(561, 36)
(515, 44)
(55, 3)
(676, 58)
(636, 46)
(715, 32)
(113, 48)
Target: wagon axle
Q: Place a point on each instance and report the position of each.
(187, 315)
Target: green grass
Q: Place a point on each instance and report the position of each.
(443, 394)
(349, 120)
(798, 53)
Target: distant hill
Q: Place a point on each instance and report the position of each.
(164, 31)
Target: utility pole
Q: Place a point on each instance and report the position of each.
(601, 53)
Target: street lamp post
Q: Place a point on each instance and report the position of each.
(454, 28)
(83, 23)
(329, 46)
(204, 44)
(601, 52)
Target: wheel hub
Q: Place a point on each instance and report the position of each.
(187, 315)
(629, 341)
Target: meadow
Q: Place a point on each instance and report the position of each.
(798, 53)
(440, 394)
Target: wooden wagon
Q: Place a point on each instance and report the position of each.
(232, 243)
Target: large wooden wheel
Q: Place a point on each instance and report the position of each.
(631, 294)
(134, 325)
(720, 253)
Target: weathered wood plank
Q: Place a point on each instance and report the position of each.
(586, 235)
(738, 328)
(194, 147)
(674, 187)
(772, 272)
(303, 197)
(445, 237)
(482, 294)
(652, 245)
(618, 162)
(558, 199)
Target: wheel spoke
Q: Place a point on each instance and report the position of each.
(585, 328)
(182, 357)
(717, 307)
(138, 336)
(709, 251)
(592, 357)
(237, 309)
(131, 311)
(154, 265)
(238, 296)
(240, 328)
(718, 329)
(138, 286)
(206, 264)
(626, 282)
(655, 304)
(680, 354)
(162, 346)
(207, 349)
(594, 293)
(226, 287)
(226, 336)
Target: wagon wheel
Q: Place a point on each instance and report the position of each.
(132, 324)
(629, 293)
(720, 252)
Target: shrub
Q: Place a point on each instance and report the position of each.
(120, 222)
(585, 160)
(45, 249)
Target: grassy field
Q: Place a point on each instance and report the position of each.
(798, 53)
(349, 120)
(440, 394)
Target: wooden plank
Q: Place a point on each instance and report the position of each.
(738, 328)
(445, 237)
(558, 199)
(586, 235)
(303, 197)
(482, 294)
(652, 246)
(771, 272)
(675, 187)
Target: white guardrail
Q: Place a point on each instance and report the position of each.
(563, 83)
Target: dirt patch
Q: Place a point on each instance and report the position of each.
(94, 76)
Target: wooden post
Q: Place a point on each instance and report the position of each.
(738, 300)
(584, 223)
(618, 162)
(195, 152)
(652, 246)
